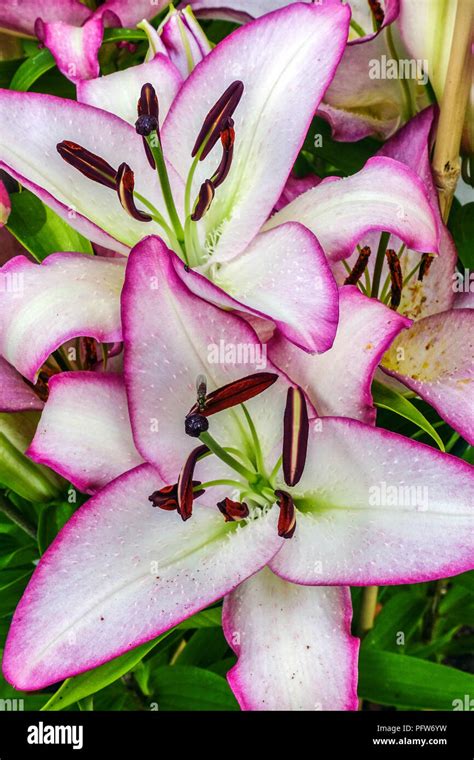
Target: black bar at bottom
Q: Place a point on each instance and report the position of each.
(133, 734)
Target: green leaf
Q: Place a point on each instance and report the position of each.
(387, 398)
(129, 35)
(205, 619)
(82, 686)
(31, 70)
(203, 648)
(10, 593)
(408, 682)
(7, 70)
(40, 230)
(52, 518)
(190, 688)
(24, 555)
(401, 614)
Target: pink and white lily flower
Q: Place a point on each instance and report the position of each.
(233, 244)
(266, 486)
(435, 357)
(361, 100)
(72, 32)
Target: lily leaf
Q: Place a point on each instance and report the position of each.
(189, 688)
(40, 230)
(400, 614)
(31, 70)
(411, 683)
(387, 398)
(82, 686)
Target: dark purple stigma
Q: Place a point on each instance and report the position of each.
(195, 424)
(146, 124)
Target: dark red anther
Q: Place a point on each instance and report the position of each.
(167, 497)
(233, 510)
(377, 12)
(426, 262)
(185, 494)
(92, 166)
(148, 118)
(205, 198)
(295, 436)
(125, 187)
(235, 393)
(396, 278)
(287, 517)
(217, 120)
(359, 267)
(227, 140)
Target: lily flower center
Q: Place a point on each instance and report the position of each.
(181, 234)
(254, 489)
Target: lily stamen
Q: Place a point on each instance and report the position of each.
(233, 510)
(125, 187)
(89, 164)
(217, 119)
(359, 267)
(396, 277)
(295, 436)
(287, 518)
(184, 490)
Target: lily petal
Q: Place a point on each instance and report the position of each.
(294, 645)
(282, 276)
(118, 92)
(15, 394)
(341, 211)
(130, 12)
(87, 206)
(171, 337)
(84, 432)
(267, 141)
(21, 20)
(75, 49)
(118, 575)
(339, 381)
(378, 509)
(435, 358)
(67, 296)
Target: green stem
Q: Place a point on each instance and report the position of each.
(16, 516)
(157, 152)
(367, 610)
(258, 449)
(384, 238)
(216, 448)
(273, 473)
(409, 110)
(222, 482)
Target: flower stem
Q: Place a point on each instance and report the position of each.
(157, 151)
(384, 238)
(216, 448)
(367, 610)
(446, 163)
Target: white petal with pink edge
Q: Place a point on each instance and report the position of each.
(120, 573)
(283, 275)
(84, 432)
(75, 48)
(271, 119)
(68, 295)
(435, 358)
(294, 645)
(87, 206)
(378, 508)
(339, 381)
(15, 394)
(341, 211)
(119, 92)
(171, 337)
